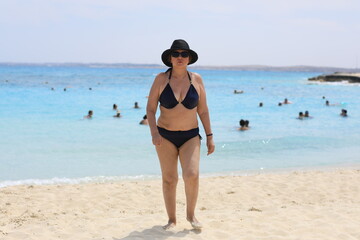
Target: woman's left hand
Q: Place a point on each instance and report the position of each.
(210, 145)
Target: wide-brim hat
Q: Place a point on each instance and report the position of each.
(178, 44)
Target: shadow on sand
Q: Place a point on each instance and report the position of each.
(157, 233)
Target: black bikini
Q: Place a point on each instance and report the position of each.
(168, 100)
(178, 138)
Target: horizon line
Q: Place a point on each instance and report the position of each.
(248, 66)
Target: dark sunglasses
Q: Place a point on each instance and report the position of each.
(182, 54)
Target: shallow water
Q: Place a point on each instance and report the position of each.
(44, 135)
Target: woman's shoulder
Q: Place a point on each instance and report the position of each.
(161, 79)
(195, 74)
(161, 76)
(196, 77)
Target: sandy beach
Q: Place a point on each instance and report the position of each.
(294, 205)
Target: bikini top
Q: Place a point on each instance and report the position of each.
(168, 100)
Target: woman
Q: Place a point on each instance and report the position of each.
(182, 97)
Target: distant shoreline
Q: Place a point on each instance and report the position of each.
(301, 68)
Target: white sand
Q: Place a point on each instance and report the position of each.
(307, 205)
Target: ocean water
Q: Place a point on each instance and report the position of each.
(44, 138)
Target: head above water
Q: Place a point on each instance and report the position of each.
(247, 123)
(242, 123)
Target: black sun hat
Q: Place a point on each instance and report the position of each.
(178, 44)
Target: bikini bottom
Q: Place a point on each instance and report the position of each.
(178, 138)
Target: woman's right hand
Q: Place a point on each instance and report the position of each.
(156, 139)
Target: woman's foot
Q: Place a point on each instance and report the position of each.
(169, 225)
(195, 223)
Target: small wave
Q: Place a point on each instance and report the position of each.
(61, 181)
(341, 83)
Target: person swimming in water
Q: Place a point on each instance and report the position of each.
(247, 122)
(343, 113)
(307, 115)
(90, 115)
(301, 116)
(238, 92)
(144, 121)
(327, 103)
(243, 126)
(286, 101)
(136, 105)
(118, 114)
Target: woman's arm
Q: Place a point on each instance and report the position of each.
(203, 112)
(151, 108)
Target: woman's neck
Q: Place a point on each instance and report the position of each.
(179, 72)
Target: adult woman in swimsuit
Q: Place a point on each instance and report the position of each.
(175, 135)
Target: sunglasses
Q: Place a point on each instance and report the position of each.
(182, 54)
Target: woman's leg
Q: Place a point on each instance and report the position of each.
(189, 154)
(168, 157)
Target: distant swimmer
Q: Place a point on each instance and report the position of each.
(118, 114)
(260, 104)
(52, 89)
(323, 97)
(64, 89)
(237, 92)
(301, 116)
(90, 114)
(90, 89)
(343, 113)
(307, 115)
(327, 103)
(279, 104)
(286, 101)
(247, 122)
(144, 121)
(136, 105)
(114, 107)
(243, 126)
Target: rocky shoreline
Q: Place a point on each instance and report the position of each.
(338, 77)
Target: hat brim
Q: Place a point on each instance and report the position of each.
(165, 57)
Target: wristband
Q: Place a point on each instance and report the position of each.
(209, 135)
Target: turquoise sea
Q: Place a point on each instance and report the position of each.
(44, 138)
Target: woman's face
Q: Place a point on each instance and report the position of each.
(180, 58)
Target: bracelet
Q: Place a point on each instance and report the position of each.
(209, 135)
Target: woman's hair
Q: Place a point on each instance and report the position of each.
(242, 122)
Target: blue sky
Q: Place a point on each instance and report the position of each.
(226, 32)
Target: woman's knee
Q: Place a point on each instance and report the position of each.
(191, 175)
(169, 180)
